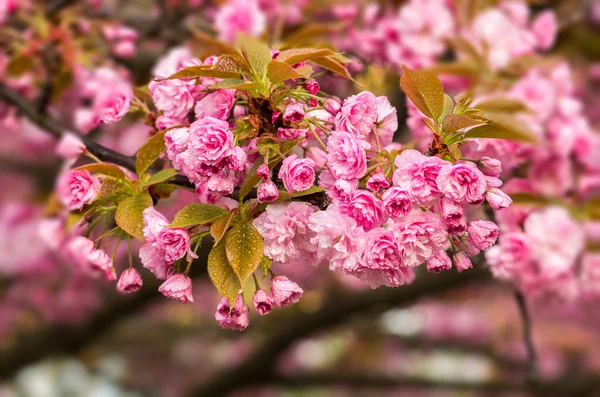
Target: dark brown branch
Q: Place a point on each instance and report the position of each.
(361, 381)
(532, 376)
(56, 129)
(260, 365)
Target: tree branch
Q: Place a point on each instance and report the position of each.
(532, 376)
(260, 365)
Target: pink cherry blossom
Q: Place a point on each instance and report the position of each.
(77, 188)
(178, 286)
(285, 231)
(236, 317)
(417, 174)
(297, 174)
(285, 291)
(266, 192)
(346, 159)
(453, 216)
(419, 235)
(462, 262)
(439, 262)
(483, 234)
(545, 27)
(396, 202)
(217, 104)
(239, 16)
(263, 302)
(211, 139)
(357, 115)
(377, 182)
(70, 146)
(364, 208)
(130, 281)
(92, 260)
(497, 199)
(462, 182)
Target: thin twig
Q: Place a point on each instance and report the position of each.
(532, 376)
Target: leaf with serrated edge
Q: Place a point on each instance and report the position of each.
(104, 169)
(278, 72)
(424, 90)
(296, 55)
(109, 187)
(334, 66)
(502, 127)
(259, 54)
(218, 229)
(129, 215)
(244, 246)
(222, 274)
(234, 84)
(150, 152)
(160, 176)
(197, 214)
(455, 122)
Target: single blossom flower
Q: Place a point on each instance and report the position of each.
(312, 86)
(497, 199)
(266, 192)
(462, 182)
(358, 115)
(297, 174)
(90, 259)
(217, 104)
(483, 234)
(263, 302)
(462, 262)
(439, 262)
(77, 188)
(377, 182)
(177, 286)
(346, 159)
(70, 146)
(396, 202)
(294, 112)
(417, 174)
(453, 216)
(285, 291)
(130, 281)
(236, 317)
(364, 208)
(490, 167)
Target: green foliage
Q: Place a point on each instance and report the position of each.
(110, 170)
(222, 274)
(150, 152)
(129, 215)
(244, 247)
(197, 214)
(424, 89)
(285, 196)
(502, 126)
(160, 176)
(220, 227)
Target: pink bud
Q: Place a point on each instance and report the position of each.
(267, 192)
(70, 146)
(294, 112)
(263, 172)
(498, 199)
(462, 262)
(332, 105)
(263, 302)
(235, 317)
(285, 291)
(178, 286)
(312, 86)
(439, 262)
(490, 167)
(130, 281)
(483, 234)
(377, 182)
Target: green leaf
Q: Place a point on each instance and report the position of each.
(222, 274)
(234, 84)
(150, 152)
(502, 105)
(455, 122)
(160, 176)
(265, 264)
(529, 199)
(278, 72)
(424, 89)
(297, 55)
(334, 66)
(108, 188)
(448, 106)
(220, 227)
(502, 127)
(285, 196)
(592, 209)
(129, 215)
(308, 33)
(244, 247)
(258, 53)
(104, 169)
(197, 214)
